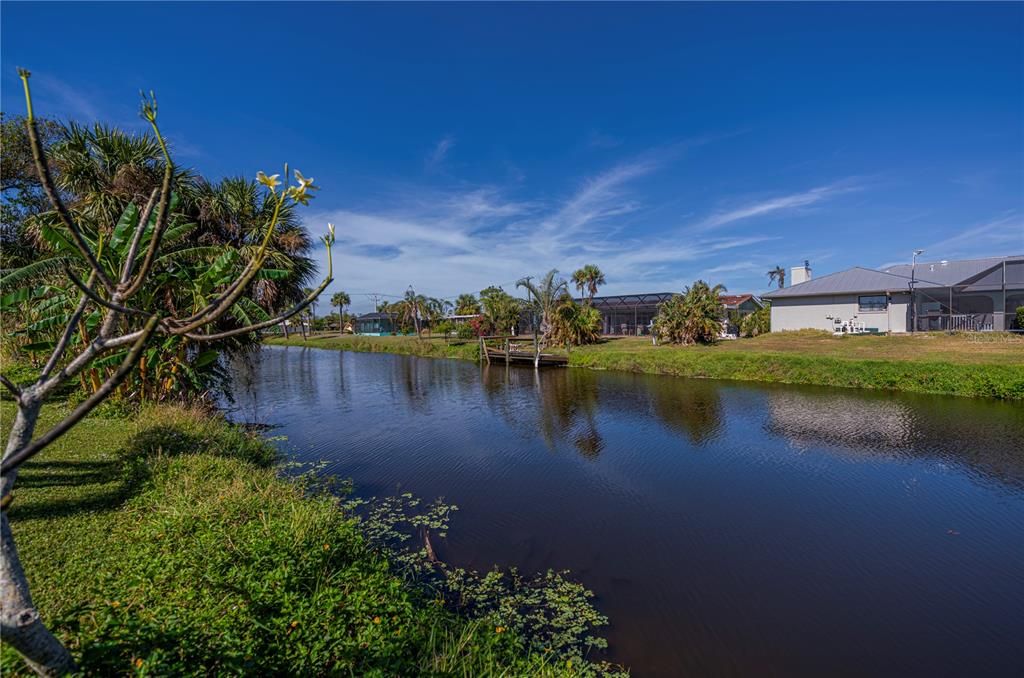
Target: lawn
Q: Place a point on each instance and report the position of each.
(980, 349)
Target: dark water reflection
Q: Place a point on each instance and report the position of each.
(728, 529)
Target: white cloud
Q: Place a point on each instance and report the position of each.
(437, 156)
(777, 204)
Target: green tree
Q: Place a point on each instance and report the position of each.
(22, 193)
(758, 322)
(575, 324)
(467, 304)
(587, 280)
(501, 309)
(106, 175)
(341, 300)
(693, 317)
(544, 297)
(436, 310)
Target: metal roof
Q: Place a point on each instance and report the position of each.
(894, 278)
(631, 300)
(854, 279)
(949, 273)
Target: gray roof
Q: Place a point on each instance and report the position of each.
(854, 279)
(939, 274)
(894, 278)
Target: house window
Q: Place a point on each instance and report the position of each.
(874, 302)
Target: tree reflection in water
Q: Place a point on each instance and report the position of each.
(559, 404)
(688, 406)
(563, 405)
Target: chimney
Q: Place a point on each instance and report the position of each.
(799, 274)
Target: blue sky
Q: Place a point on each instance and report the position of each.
(461, 145)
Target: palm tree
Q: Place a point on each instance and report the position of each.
(436, 310)
(467, 304)
(545, 297)
(587, 280)
(412, 308)
(695, 316)
(777, 273)
(341, 300)
(232, 213)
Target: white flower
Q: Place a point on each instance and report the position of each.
(270, 182)
(304, 183)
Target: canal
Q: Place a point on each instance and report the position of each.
(727, 528)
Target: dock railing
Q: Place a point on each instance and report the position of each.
(512, 348)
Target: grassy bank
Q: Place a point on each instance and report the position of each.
(985, 365)
(167, 545)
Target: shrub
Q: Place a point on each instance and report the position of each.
(692, 317)
(758, 322)
(481, 326)
(1020, 317)
(574, 324)
(444, 328)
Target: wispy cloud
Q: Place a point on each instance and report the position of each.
(1002, 235)
(58, 96)
(598, 139)
(782, 203)
(440, 152)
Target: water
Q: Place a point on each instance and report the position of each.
(728, 529)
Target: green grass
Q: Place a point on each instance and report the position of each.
(971, 365)
(167, 544)
(433, 347)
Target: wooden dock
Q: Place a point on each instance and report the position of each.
(514, 350)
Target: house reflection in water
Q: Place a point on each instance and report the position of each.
(979, 435)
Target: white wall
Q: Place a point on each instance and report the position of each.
(799, 313)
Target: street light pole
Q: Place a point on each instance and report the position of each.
(913, 301)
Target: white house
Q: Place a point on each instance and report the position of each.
(976, 294)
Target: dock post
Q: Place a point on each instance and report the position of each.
(508, 350)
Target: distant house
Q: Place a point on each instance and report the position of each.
(970, 295)
(741, 303)
(376, 324)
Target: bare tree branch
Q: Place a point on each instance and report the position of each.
(19, 457)
(69, 331)
(266, 323)
(233, 291)
(100, 300)
(10, 386)
(162, 211)
(133, 250)
(46, 179)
